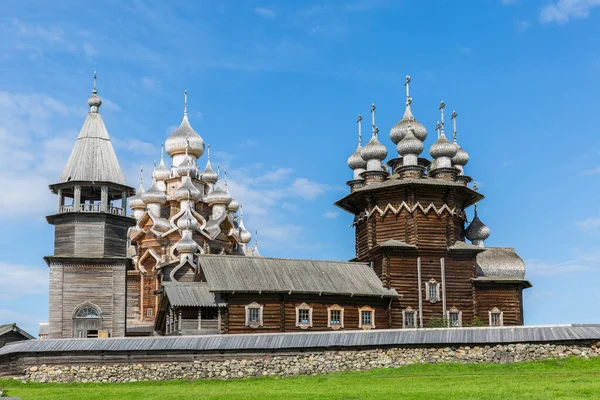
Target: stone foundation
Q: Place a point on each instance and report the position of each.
(313, 363)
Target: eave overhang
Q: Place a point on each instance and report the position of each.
(350, 202)
(502, 280)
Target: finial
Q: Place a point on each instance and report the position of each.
(438, 127)
(241, 211)
(408, 98)
(141, 176)
(95, 90)
(219, 171)
(154, 163)
(256, 239)
(475, 208)
(376, 131)
(208, 153)
(442, 105)
(162, 153)
(475, 187)
(453, 118)
(185, 103)
(373, 118)
(225, 176)
(359, 122)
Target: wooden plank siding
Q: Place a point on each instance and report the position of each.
(279, 312)
(506, 297)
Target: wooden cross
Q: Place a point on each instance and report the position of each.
(453, 118)
(358, 121)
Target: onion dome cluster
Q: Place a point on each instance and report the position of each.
(161, 172)
(477, 231)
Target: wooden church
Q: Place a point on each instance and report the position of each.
(182, 263)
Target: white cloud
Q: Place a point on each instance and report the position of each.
(90, 50)
(522, 25)
(331, 214)
(536, 268)
(562, 11)
(137, 146)
(265, 12)
(276, 176)
(589, 223)
(307, 189)
(593, 171)
(50, 35)
(22, 280)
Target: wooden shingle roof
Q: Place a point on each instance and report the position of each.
(281, 275)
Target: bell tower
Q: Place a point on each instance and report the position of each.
(88, 267)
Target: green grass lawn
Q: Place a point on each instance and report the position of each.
(567, 378)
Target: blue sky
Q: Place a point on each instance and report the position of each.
(275, 88)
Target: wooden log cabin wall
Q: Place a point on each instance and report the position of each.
(182, 264)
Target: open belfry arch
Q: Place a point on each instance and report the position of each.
(410, 224)
(182, 263)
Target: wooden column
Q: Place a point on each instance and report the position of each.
(179, 318)
(141, 297)
(420, 294)
(104, 198)
(443, 268)
(60, 200)
(77, 199)
(124, 202)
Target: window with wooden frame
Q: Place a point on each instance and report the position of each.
(149, 312)
(432, 291)
(409, 318)
(496, 317)
(454, 316)
(254, 315)
(335, 317)
(304, 316)
(366, 317)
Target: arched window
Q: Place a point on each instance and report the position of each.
(87, 321)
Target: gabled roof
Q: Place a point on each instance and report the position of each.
(7, 328)
(281, 275)
(190, 294)
(93, 158)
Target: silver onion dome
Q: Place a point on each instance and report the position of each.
(245, 236)
(209, 175)
(355, 161)
(154, 195)
(186, 245)
(442, 148)
(218, 196)
(177, 142)
(135, 201)
(408, 122)
(477, 231)
(187, 167)
(233, 205)
(409, 144)
(94, 101)
(461, 158)
(161, 172)
(373, 150)
(187, 191)
(187, 222)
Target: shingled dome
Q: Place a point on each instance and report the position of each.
(500, 262)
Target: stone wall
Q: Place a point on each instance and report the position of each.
(310, 363)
